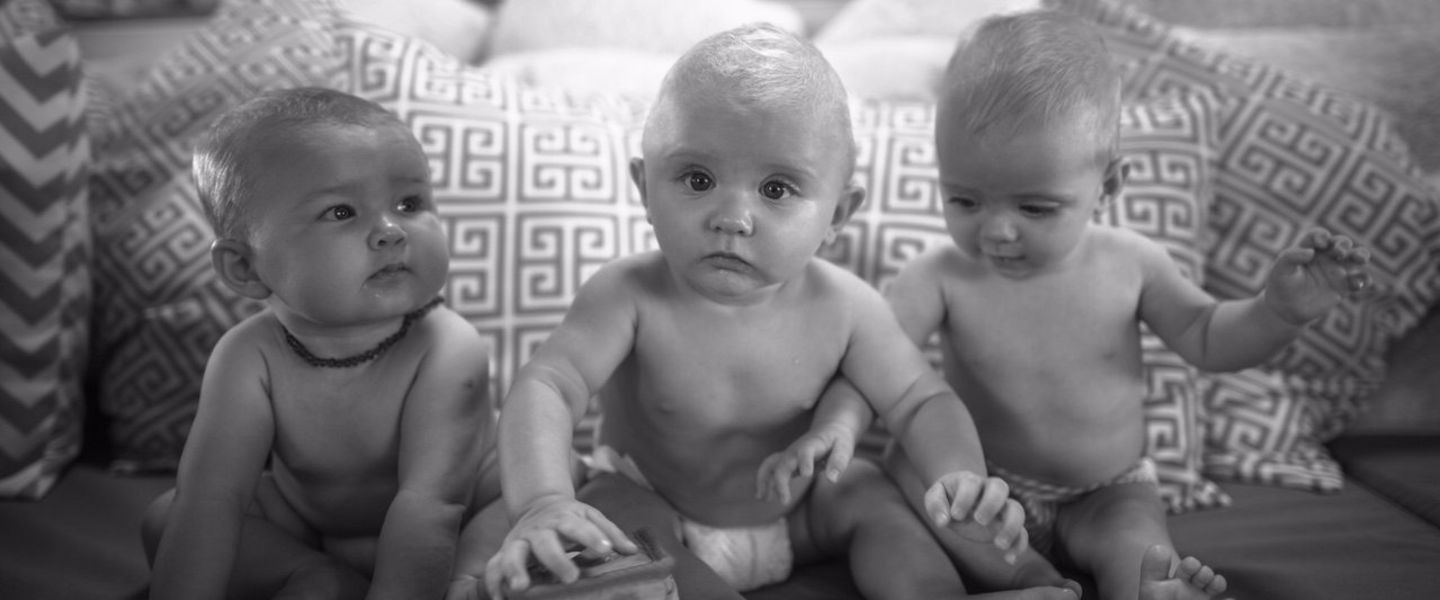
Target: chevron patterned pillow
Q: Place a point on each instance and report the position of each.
(44, 248)
(1292, 154)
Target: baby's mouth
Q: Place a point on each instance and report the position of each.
(389, 271)
(727, 261)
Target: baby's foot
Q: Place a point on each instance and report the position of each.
(1191, 581)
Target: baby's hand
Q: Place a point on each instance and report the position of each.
(833, 446)
(541, 531)
(979, 509)
(1311, 277)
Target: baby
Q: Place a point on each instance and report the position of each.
(345, 433)
(709, 355)
(1039, 309)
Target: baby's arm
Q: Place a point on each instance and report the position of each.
(1306, 281)
(537, 421)
(224, 455)
(841, 417)
(932, 424)
(446, 419)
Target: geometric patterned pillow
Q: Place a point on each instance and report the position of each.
(160, 308)
(44, 248)
(1292, 154)
(1169, 144)
(532, 184)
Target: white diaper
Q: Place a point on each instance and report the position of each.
(747, 558)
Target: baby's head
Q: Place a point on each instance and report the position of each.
(226, 157)
(1026, 137)
(747, 155)
(321, 202)
(759, 67)
(1031, 70)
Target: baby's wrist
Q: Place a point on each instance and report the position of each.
(1286, 316)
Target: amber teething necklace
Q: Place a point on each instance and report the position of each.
(363, 357)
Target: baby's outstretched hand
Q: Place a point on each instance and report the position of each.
(542, 532)
(1312, 276)
(979, 509)
(831, 446)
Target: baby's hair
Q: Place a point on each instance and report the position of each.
(221, 164)
(762, 64)
(1033, 68)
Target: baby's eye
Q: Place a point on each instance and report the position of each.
(698, 181)
(339, 212)
(411, 204)
(1038, 210)
(776, 190)
(963, 202)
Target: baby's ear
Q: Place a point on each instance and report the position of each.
(851, 199)
(1115, 175)
(232, 262)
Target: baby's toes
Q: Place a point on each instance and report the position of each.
(1189, 567)
(1216, 586)
(1202, 578)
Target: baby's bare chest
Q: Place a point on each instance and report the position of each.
(737, 373)
(335, 426)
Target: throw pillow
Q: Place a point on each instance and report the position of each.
(532, 184)
(160, 307)
(1292, 154)
(1169, 143)
(44, 248)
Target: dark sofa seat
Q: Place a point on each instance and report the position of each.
(82, 542)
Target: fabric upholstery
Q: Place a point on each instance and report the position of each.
(44, 248)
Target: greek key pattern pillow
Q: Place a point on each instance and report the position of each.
(44, 248)
(1293, 154)
(160, 307)
(533, 185)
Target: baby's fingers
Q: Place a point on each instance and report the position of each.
(1318, 239)
(1011, 537)
(952, 497)
(773, 483)
(839, 459)
(508, 567)
(994, 495)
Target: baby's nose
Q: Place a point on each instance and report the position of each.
(733, 217)
(386, 233)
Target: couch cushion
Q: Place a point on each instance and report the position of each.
(1293, 154)
(44, 248)
(1399, 467)
(160, 306)
(1276, 543)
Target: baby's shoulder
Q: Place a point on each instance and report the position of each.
(257, 328)
(1121, 243)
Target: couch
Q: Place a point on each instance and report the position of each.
(1316, 475)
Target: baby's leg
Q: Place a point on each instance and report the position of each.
(892, 553)
(1119, 534)
(632, 507)
(980, 562)
(278, 557)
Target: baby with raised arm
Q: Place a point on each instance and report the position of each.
(345, 433)
(1039, 308)
(709, 354)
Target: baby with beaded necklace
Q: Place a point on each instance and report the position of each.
(343, 445)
